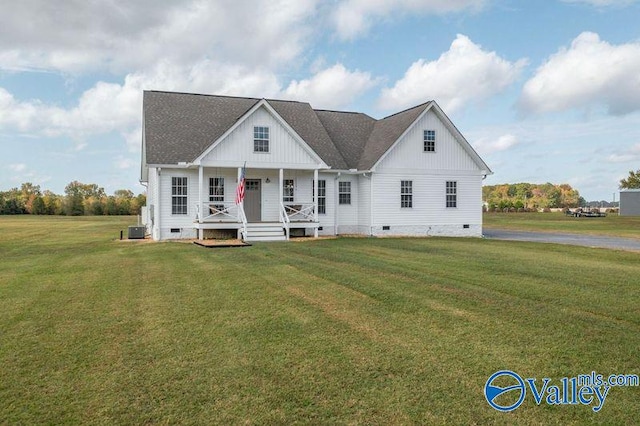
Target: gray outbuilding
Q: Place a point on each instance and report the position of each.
(630, 202)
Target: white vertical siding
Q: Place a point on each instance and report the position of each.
(409, 152)
(230, 176)
(270, 202)
(238, 145)
(303, 185)
(269, 191)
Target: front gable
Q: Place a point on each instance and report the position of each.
(285, 147)
(451, 150)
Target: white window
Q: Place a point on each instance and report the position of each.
(406, 193)
(178, 195)
(287, 190)
(344, 192)
(429, 141)
(452, 194)
(260, 139)
(322, 197)
(216, 191)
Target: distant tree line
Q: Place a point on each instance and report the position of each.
(79, 199)
(531, 196)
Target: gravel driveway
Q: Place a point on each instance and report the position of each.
(616, 243)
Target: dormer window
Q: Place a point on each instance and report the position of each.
(429, 141)
(260, 139)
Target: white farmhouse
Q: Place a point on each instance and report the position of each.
(308, 172)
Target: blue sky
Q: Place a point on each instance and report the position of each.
(546, 91)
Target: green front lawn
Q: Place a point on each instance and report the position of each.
(347, 331)
(614, 225)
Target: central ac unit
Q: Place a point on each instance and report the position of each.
(136, 232)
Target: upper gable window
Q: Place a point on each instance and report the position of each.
(429, 141)
(260, 139)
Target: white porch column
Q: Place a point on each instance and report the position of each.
(238, 183)
(315, 202)
(200, 206)
(280, 183)
(241, 204)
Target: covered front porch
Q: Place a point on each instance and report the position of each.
(277, 204)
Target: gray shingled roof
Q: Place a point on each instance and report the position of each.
(304, 120)
(385, 133)
(179, 127)
(349, 131)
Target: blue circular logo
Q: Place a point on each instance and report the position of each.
(493, 391)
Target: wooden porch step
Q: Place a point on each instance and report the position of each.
(265, 231)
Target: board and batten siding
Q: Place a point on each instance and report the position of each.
(409, 153)
(230, 182)
(237, 147)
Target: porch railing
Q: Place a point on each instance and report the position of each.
(284, 218)
(299, 212)
(220, 211)
(243, 219)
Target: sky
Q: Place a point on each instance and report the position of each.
(545, 91)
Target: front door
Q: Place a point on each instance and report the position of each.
(253, 200)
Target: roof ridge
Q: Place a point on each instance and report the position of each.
(287, 100)
(407, 109)
(204, 94)
(344, 112)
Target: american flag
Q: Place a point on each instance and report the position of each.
(240, 188)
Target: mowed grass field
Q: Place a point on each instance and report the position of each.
(612, 224)
(346, 331)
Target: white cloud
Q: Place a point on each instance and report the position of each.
(108, 107)
(591, 73)
(21, 173)
(629, 155)
(333, 87)
(19, 167)
(603, 3)
(123, 163)
(486, 146)
(465, 73)
(16, 114)
(113, 107)
(77, 35)
(353, 18)
(186, 45)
